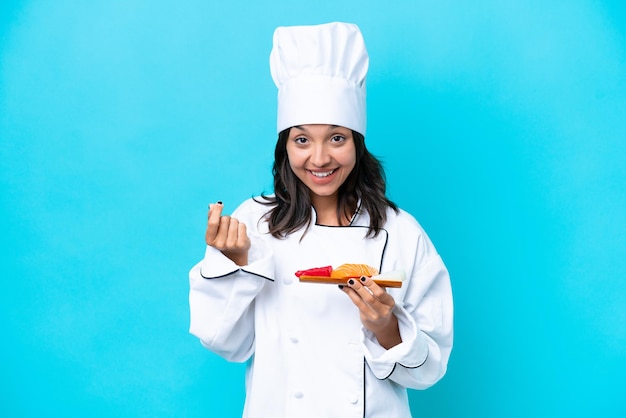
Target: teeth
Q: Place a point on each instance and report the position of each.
(325, 174)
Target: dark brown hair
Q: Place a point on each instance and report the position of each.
(292, 202)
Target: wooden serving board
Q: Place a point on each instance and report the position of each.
(343, 280)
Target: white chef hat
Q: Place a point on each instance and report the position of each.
(320, 73)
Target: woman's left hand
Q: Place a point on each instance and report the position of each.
(376, 310)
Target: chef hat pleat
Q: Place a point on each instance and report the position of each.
(320, 73)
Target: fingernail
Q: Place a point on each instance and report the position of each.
(363, 279)
(219, 202)
(351, 282)
(340, 287)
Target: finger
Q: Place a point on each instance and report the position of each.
(378, 291)
(213, 223)
(357, 300)
(243, 241)
(364, 294)
(374, 313)
(215, 210)
(233, 230)
(363, 291)
(380, 301)
(222, 232)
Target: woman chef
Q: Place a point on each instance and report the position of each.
(313, 350)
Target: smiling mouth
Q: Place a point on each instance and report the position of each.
(322, 174)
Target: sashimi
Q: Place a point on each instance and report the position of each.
(353, 270)
(316, 271)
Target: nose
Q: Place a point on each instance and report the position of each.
(320, 156)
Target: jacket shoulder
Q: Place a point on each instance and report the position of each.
(252, 212)
(403, 219)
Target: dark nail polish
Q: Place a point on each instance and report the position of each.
(363, 279)
(340, 287)
(219, 202)
(351, 281)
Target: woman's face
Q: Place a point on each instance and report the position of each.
(322, 157)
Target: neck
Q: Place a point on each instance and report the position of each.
(326, 211)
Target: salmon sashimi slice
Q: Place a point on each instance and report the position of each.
(353, 270)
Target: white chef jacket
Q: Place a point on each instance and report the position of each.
(308, 353)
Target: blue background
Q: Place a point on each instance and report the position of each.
(502, 127)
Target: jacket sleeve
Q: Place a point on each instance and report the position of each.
(221, 299)
(425, 319)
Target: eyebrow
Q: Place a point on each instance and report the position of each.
(330, 127)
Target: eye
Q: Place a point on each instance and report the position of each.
(337, 138)
(300, 140)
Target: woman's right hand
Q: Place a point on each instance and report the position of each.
(227, 235)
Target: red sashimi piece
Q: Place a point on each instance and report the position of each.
(316, 271)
